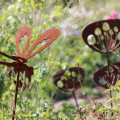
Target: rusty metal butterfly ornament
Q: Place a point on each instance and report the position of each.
(104, 37)
(22, 57)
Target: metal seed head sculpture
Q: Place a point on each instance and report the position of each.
(104, 78)
(104, 37)
(22, 57)
(69, 80)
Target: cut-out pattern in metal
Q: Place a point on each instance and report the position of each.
(22, 57)
(105, 77)
(70, 79)
(102, 36)
(106, 34)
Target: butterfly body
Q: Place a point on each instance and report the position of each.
(19, 59)
(20, 67)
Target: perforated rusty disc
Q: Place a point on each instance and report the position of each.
(107, 78)
(102, 36)
(69, 80)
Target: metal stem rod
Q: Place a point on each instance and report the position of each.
(109, 77)
(76, 101)
(108, 63)
(15, 98)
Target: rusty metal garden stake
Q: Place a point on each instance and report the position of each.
(76, 103)
(104, 37)
(15, 98)
(69, 80)
(22, 57)
(105, 34)
(75, 99)
(108, 64)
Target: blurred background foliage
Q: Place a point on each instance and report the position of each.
(70, 17)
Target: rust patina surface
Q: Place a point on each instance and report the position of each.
(21, 58)
(104, 37)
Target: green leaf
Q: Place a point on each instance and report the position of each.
(106, 91)
(118, 84)
(111, 99)
(118, 105)
(82, 103)
(114, 116)
(102, 109)
(118, 88)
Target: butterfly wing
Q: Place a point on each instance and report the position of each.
(19, 34)
(51, 34)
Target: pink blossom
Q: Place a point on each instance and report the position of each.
(113, 15)
(64, 32)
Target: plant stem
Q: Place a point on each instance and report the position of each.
(15, 98)
(3, 112)
(111, 101)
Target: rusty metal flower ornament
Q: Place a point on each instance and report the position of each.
(102, 36)
(105, 77)
(22, 57)
(70, 79)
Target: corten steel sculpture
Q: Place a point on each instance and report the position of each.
(106, 40)
(70, 79)
(110, 78)
(106, 34)
(20, 60)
